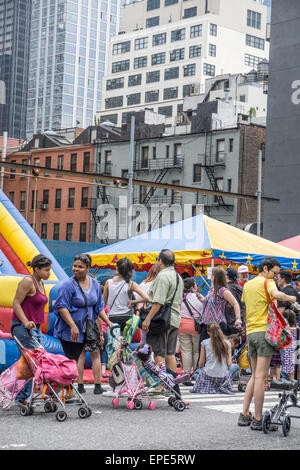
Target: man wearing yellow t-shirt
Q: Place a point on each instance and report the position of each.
(260, 350)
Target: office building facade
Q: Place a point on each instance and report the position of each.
(69, 46)
(14, 60)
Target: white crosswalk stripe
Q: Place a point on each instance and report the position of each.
(218, 402)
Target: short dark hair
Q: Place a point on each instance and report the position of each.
(188, 283)
(86, 259)
(167, 257)
(270, 262)
(287, 276)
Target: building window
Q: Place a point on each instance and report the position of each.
(153, 4)
(243, 98)
(58, 199)
(86, 162)
(195, 51)
(220, 155)
(145, 157)
(140, 62)
(82, 234)
(212, 50)
(107, 162)
(73, 162)
(55, 231)
(229, 185)
(11, 196)
(12, 175)
(84, 197)
(197, 173)
(252, 60)
(187, 90)
(196, 31)
(159, 58)
(34, 194)
(213, 29)
(141, 43)
(209, 69)
(71, 199)
(189, 70)
(151, 22)
(46, 197)
(231, 145)
(166, 110)
(158, 39)
(152, 77)
(171, 73)
(22, 200)
(60, 162)
(170, 93)
(69, 232)
(151, 96)
(120, 66)
(178, 35)
(115, 83)
(114, 102)
(170, 2)
(254, 41)
(189, 12)
(176, 54)
(134, 98)
(253, 19)
(44, 231)
(48, 162)
(134, 80)
(121, 47)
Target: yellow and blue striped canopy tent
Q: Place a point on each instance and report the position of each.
(196, 241)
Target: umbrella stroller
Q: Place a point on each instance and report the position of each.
(50, 375)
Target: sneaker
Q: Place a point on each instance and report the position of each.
(182, 378)
(110, 393)
(81, 388)
(98, 389)
(245, 420)
(256, 425)
(188, 383)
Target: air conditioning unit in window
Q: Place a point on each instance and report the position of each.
(195, 88)
(43, 206)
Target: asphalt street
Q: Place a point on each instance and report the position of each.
(209, 423)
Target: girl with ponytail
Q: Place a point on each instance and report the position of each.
(215, 360)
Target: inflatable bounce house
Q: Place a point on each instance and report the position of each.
(19, 244)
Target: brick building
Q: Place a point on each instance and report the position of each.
(56, 206)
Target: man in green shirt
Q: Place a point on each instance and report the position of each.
(161, 293)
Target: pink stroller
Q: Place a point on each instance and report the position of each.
(50, 374)
(130, 383)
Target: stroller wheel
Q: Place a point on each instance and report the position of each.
(151, 405)
(286, 425)
(138, 405)
(115, 401)
(89, 412)
(130, 405)
(83, 413)
(61, 416)
(179, 405)
(25, 411)
(48, 407)
(171, 401)
(266, 422)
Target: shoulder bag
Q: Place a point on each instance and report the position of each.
(161, 321)
(91, 333)
(198, 323)
(278, 333)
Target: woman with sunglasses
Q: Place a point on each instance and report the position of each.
(79, 300)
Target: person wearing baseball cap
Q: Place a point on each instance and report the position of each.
(243, 273)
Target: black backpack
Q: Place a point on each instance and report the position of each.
(237, 293)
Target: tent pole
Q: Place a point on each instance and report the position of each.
(203, 279)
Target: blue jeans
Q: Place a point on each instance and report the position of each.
(103, 352)
(21, 333)
(234, 370)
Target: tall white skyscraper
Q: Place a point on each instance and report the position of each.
(68, 52)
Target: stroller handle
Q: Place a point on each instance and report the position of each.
(113, 328)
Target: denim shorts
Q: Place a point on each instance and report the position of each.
(30, 340)
(258, 345)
